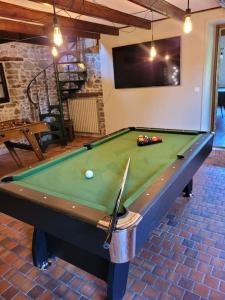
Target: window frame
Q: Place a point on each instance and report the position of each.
(3, 82)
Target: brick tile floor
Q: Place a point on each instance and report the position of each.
(184, 258)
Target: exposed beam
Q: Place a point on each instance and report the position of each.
(21, 13)
(163, 7)
(72, 33)
(99, 11)
(20, 27)
(6, 37)
(38, 31)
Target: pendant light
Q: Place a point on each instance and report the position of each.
(57, 35)
(153, 51)
(187, 22)
(55, 51)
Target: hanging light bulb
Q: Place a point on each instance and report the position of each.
(55, 51)
(153, 51)
(187, 22)
(167, 57)
(57, 35)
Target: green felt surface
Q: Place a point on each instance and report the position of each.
(65, 176)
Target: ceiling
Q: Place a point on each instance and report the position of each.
(137, 10)
(88, 18)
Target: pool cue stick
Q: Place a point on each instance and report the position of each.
(113, 220)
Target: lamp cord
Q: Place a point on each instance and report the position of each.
(53, 3)
(54, 12)
(152, 27)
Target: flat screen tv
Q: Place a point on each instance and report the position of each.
(133, 67)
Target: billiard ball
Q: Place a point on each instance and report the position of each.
(89, 174)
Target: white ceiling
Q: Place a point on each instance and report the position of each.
(121, 5)
(131, 8)
(128, 7)
(195, 5)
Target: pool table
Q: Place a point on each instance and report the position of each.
(71, 213)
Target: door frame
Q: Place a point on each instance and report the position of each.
(215, 75)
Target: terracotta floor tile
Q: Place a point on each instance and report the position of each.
(9, 293)
(173, 260)
(36, 292)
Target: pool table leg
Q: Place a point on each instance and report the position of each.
(187, 191)
(39, 249)
(117, 280)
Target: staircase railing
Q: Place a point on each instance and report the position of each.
(51, 101)
(39, 90)
(36, 104)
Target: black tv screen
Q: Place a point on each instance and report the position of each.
(133, 67)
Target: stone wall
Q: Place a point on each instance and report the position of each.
(22, 61)
(91, 59)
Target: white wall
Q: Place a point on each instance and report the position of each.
(186, 106)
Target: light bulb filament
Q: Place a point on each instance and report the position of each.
(153, 51)
(187, 24)
(57, 36)
(54, 51)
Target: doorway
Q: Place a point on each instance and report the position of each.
(218, 123)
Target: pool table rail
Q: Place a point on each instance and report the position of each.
(155, 202)
(57, 204)
(122, 131)
(182, 168)
(123, 244)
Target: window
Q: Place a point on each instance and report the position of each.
(4, 95)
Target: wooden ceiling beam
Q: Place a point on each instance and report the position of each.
(8, 10)
(99, 11)
(42, 31)
(71, 33)
(163, 7)
(21, 27)
(6, 37)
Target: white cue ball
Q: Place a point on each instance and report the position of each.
(89, 174)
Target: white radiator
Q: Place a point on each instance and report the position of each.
(84, 114)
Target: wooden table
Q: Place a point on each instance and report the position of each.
(18, 129)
